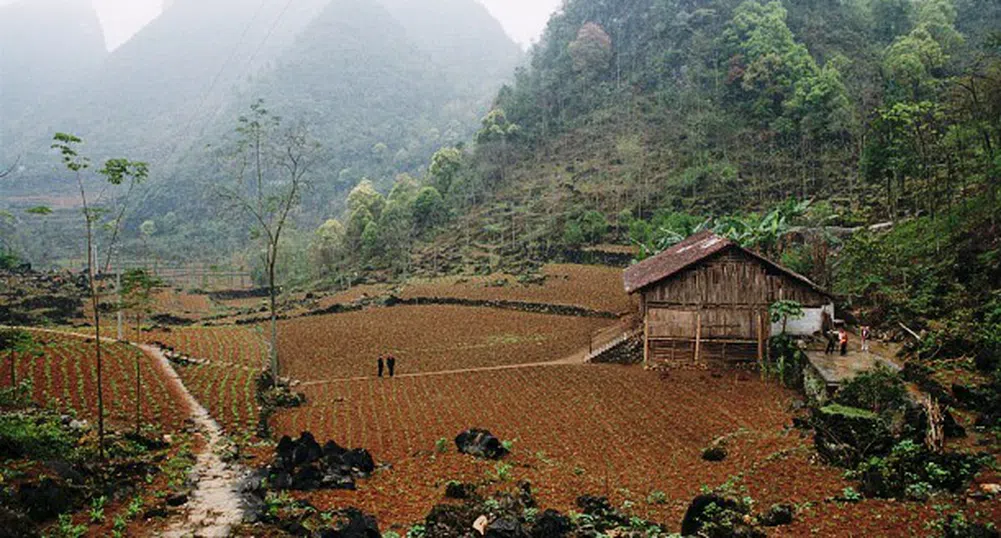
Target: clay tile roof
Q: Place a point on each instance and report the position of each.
(694, 249)
(689, 252)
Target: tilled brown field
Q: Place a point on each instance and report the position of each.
(64, 375)
(588, 286)
(426, 339)
(619, 431)
(616, 431)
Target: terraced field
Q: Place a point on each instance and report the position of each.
(65, 375)
(588, 286)
(426, 339)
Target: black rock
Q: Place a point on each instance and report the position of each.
(353, 524)
(714, 453)
(14, 524)
(551, 524)
(724, 516)
(333, 450)
(177, 499)
(480, 443)
(283, 452)
(505, 527)
(307, 478)
(157, 512)
(951, 428)
(306, 450)
(359, 459)
(778, 514)
(459, 490)
(45, 499)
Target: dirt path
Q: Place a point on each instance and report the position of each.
(215, 505)
(577, 358)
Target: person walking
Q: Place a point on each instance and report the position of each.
(380, 365)
(391, 362)
(829, 334)
(865, 334)
(843, 338)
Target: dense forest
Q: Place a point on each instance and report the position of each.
(638, 122)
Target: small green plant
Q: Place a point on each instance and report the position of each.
(579, 471)
(530, 514)
(656, 497)
(417, 531)
(134, 507)
(849, 494)
(97, 509)
(502, 472)
(390, 534)
(66, 529)
(441, 445)
(492, 505)
(508, 444)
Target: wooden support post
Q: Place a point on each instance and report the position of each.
(646, 339)
(761, 340)
(698, 335)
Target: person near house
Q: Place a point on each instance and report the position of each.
(391, 363)
(381, 364)
(865, 334)
(843, 339)
(831, 339)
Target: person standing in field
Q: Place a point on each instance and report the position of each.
(391, 362)
(829, 334)
(380, 365)
(865, 334)
(843, 338)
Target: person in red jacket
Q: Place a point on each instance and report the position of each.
(843, 339)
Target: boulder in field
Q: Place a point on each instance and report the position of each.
(718, 516)
(551, 524)
(778, 514)
(505, 527)
(480, 443)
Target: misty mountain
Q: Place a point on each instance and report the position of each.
(381, 85)
(44, 44)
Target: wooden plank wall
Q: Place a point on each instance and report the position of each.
(723, 303)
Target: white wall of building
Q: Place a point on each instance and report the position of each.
(811, 322)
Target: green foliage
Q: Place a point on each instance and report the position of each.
(41, 437)
(784, 311)
(590, 227)
(877, 390)
(786, 360)
(911, 470)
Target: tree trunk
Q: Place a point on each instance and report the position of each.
(274, 310)
(138, 376)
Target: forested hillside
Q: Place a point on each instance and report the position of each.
(638, 122)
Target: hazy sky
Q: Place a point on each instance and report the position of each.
(524, 20)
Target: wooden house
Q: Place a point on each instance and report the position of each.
(707, 299)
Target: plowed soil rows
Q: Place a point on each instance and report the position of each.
(426, 339)
(588, 286)
(227, 392)
(607, 430)
(239, 346)
(225, 386)
(65, 375)
(610, 430)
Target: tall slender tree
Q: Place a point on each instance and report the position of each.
(116, 172)
(269, 167)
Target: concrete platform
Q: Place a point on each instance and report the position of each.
(835, 369)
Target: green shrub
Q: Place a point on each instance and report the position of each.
(41, 437)
(911, 471)
(877, 390)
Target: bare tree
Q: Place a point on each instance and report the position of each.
(269, 167)
(116, 172)
(9, 170)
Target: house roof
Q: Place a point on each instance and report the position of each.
(689, 252)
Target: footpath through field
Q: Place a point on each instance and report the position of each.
(578, 357)
(215, 506)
